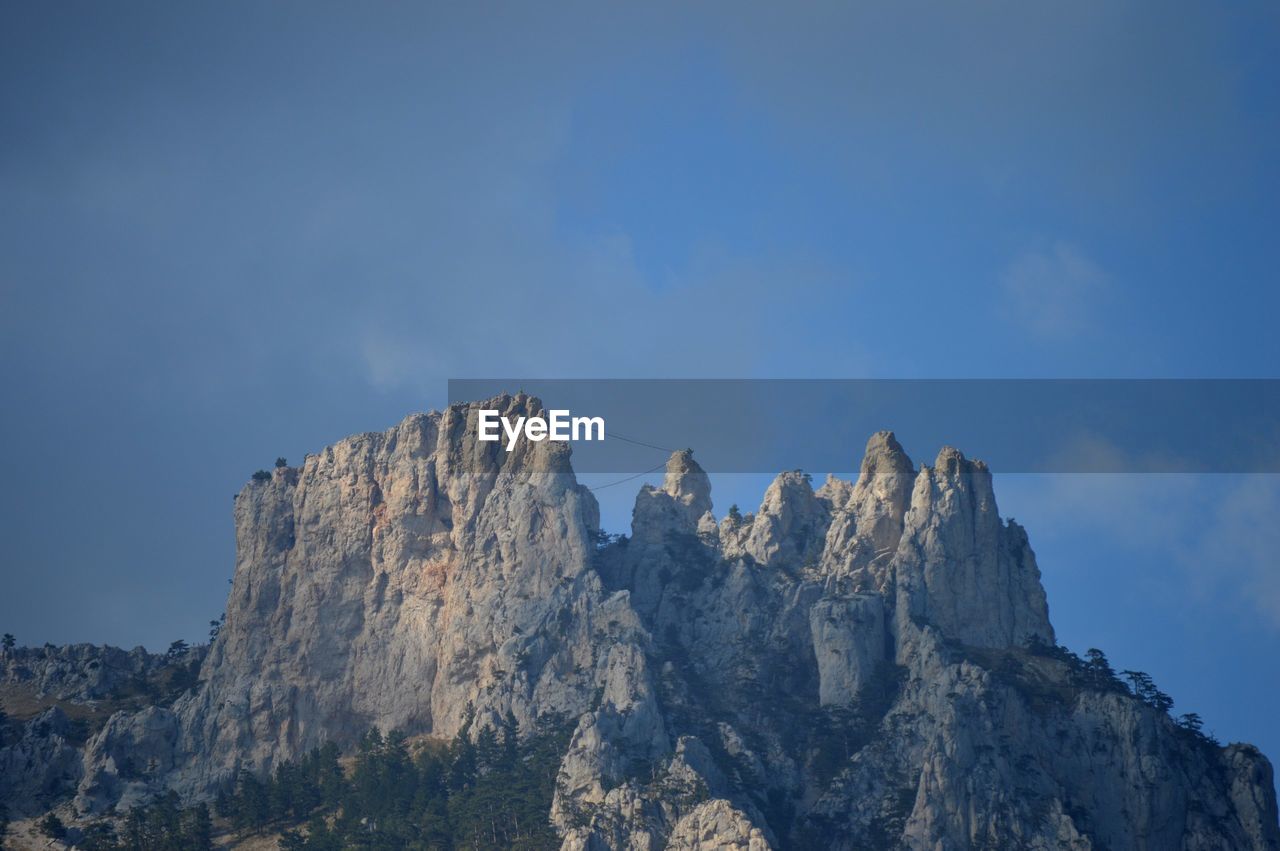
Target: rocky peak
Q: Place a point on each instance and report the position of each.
(791, 523)
(397, 578)
(885, 466)
(867, 525)
(960, 568)
(677, 507)
(668, 521)
(407, 578)
(835, 492)
(687, 483)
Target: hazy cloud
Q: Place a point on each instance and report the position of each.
(1240, 545)
(1216, 534)
(1053, 292)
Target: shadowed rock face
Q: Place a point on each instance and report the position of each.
(38, 763)
(844, 668)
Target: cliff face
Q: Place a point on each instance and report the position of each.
(395, 580)
(864, 665)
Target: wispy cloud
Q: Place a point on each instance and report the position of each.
(1053, 292)
(1215, 534)
(1240, 544)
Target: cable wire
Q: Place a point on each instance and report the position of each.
(629, 478)
(636, 442)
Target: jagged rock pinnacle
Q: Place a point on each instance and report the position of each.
(687, 483)
(884, 455)
(415, 579)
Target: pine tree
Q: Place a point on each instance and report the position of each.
(510, 738)
(252, 808)
(488, 750)
(1142, 684)
(329, 775)
(52, 827)
(1100, 672)
(198, 829)
(1191, 721)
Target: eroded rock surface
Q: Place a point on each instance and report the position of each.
(870, 664)
(39, 763)
(77, 672)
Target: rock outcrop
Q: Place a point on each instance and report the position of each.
(848, 644)
(868, 517)
(399, 580)
(870, 664)
(960, 568)
(716, 826)
(41, 765)
(80, 673)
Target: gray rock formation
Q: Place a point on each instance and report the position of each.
(848, 644)
(790, 526)
(132, 757)
(394, 580)
(80, 673)
(716, 826)
(960, 568)
(41, 766)
(867, 518)
(866, 665)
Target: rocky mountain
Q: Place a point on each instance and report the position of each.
(865, 665)
(54, 698)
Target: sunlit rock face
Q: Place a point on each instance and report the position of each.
(394, 580)
(867, 517)
(963, 570)
(860, 665)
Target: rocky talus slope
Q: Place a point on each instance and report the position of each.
(865, 665)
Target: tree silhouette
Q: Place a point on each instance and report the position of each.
(1145, 689)
(52, 827)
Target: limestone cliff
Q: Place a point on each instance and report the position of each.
(865, 665)
(396, 580)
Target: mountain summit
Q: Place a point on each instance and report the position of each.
(865, 665)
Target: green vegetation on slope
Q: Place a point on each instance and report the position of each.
(493, 793)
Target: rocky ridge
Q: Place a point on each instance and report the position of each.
(55, 698)
(868, 664)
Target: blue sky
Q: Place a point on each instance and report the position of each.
(234, 231)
